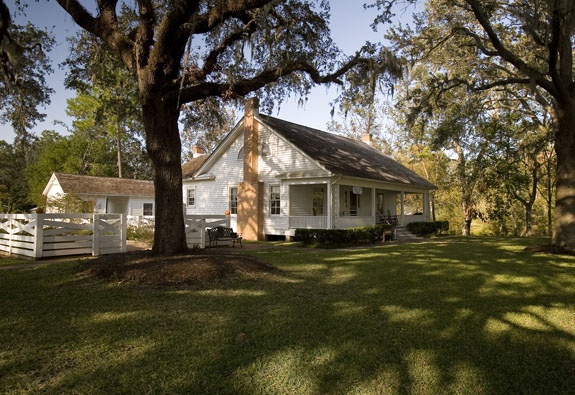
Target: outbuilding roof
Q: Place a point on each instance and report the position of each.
(110, 186)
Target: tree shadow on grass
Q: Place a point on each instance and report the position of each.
(424, 318)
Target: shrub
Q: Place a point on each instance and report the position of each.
(140, 233)
(361, 235)
(426, 229)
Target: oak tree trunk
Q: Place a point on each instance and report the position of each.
(564, 214)
(467, 218)
(164, 149)
(528, 219)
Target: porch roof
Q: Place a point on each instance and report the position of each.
(345, 157)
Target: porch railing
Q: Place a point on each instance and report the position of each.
(308, 222)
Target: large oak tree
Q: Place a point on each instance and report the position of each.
(532, 43)
(185, 51)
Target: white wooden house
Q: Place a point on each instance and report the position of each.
(273, 176)
(101, 194)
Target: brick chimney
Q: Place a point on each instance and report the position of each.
(250, 191)
(251, 137)
(367, 138)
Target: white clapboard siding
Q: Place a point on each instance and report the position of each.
(212, 196)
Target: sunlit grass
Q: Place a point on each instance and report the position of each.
(477, 316)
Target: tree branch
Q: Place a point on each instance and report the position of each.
(211, 61)
(506, 54)
(144, 37)
(243, 87)
(105, 27)
(476, 38)
(225, 10)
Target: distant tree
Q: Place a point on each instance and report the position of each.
(52, 153)
(13, 187)
(183, 52)
(101, 79)
(110, 149)
(205, 123)
(24, 65)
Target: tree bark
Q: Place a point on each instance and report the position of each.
(467, 219)
(164, 149)
(528, 220)
(564, 214)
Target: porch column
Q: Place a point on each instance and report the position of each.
(402, 209)
(373, 205)
(426, 207)
(329, 202)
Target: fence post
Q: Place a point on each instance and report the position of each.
(203, 233)
(38, 235)
(10, 234)
(96, 235)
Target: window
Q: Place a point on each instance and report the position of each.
(191, 197)
(264, 151)
(275, 201)
(234, 200)
(148, 208)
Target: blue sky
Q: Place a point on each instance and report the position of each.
(350, 29)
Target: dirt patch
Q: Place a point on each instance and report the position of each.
(144, 268)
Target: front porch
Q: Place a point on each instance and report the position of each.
(328, 206)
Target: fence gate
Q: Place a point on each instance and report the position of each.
(109, 234)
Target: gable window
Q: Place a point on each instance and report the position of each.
(275, 200)
(233, 200)
(191, 198)
(148, 209)
(264, 150)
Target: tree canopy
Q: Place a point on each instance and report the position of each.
(183, 52)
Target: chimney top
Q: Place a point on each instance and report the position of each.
(197, 151)
(367, 138)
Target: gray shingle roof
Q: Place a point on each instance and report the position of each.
(77, 184)
(345, 157)
(191, 166)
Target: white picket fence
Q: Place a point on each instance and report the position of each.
(196, 226)
(51, 235)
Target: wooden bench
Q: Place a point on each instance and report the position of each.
(219, 233)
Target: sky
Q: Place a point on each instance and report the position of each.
(350, 25)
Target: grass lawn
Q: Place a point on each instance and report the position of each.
(460, 316)
(6, 260)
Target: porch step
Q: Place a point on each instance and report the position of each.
(403, 235)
